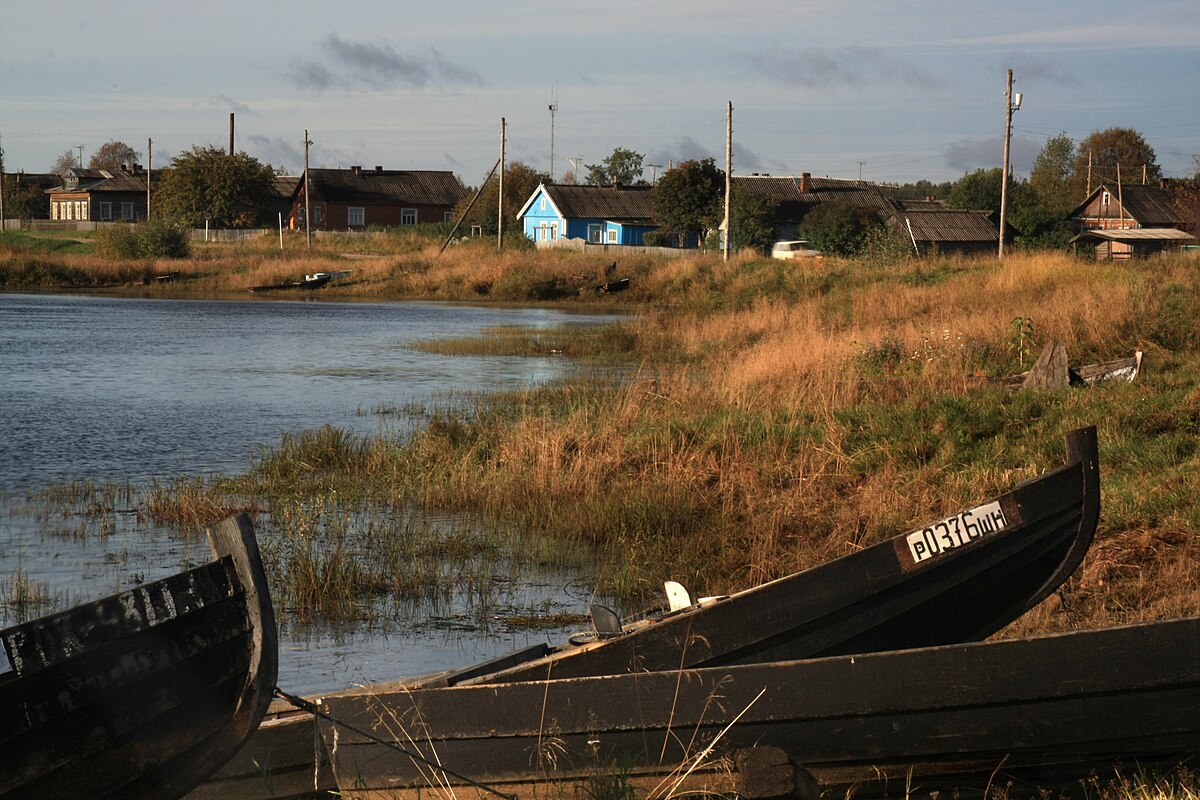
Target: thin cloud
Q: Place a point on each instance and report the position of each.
(377, 65)
(274, 150)
(233, 105)
(988, 153)
(685, 148)
(1045, 73)
(852, 66)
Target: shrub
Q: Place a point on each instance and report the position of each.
(153, 239)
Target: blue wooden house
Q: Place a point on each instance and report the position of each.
(616, 215)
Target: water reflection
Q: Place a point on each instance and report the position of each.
(118, 391)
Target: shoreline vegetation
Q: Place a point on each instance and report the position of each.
(740, 421)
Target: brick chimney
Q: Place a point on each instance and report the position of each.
(805, 183)
(356, 169)
(379, 168)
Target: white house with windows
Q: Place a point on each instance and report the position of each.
(99, 195)
(618, 215)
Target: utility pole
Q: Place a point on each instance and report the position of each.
(860, 166)
(79, 147)
(307, 206)
(500, 195)
(728, 177)
(149, 172)
(654, 168)
(2, 222)
(553, 109)
(1089, 179)
(230, 133)
(1011, 103)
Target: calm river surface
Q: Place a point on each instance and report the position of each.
(115, 390)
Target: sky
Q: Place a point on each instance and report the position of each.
(891, 91)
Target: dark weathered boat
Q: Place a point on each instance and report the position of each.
(314, 281)
(958, 579)
(1022, 714)
(145, 693)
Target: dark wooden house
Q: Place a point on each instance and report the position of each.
(353, 199)
(795, 197)
(1111, 207)
(99, 195)
(931, 228)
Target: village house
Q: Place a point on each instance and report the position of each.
(932, 228)
(99, 195)
(616, 215)
(1128, 222)
(794, 197)
(352, 199)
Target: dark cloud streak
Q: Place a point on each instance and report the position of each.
(853, 66)
(377, 65)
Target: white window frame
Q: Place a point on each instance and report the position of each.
(613, 237)
(106, 211)
(1105, 198)
(81, 209)
(408, 216)
(595, 233)
(316, 212)
(127, 211)
(356, 216)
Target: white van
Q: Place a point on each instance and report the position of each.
(797, 248)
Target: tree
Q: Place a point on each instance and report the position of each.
(688, 198)
(1051, 175)
(520, 182)
(978, 191)
(838, 228)
(206, 183)
(1122, 148)
(66, 161)
(622, 168)
(752, 219)
(113, 155)
(24, 200)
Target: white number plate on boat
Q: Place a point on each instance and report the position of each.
(963, 528)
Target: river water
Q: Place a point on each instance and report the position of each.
(132, 390)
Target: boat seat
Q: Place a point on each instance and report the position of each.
(677, 596)
(604, 620)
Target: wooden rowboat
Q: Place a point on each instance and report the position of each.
(145, 693)
(958, 579)
(1039, 712)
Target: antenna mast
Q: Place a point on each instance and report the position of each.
(553, 108)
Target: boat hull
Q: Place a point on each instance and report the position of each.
(145, 693)
(1033, 710)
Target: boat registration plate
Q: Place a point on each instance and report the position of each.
(963, 528)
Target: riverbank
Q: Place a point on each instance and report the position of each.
(769, 417)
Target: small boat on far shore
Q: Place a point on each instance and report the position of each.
(314, 281)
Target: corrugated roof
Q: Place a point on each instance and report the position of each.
(793, 203)
(1151, 206)
(1137, 235)
(387, 186)
(104, 180)
(949, 226)
(618, 203)
(285, 185)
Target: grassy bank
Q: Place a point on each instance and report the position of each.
(769, 417)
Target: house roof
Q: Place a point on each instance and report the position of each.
(285, 185)
(949, 225)
(102, 180)
(42, 180)
(1150, 206)
(796, 196)
(617, 203)
(387, 186)
(1138, 235)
